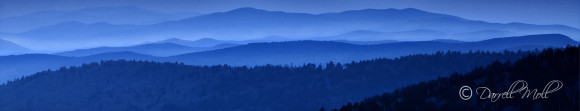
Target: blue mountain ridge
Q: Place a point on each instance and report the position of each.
(250, 23)
(113, 15)
(153, 49)
(290, 53)
(298, 52)
(8, 48)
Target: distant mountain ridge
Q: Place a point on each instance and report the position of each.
(154, 49)
(415, 35)
(113, 15)
(7, 48)
(250, 23)
(298, 52)
(203, 42)
(289, 53)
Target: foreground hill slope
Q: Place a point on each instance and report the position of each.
(138, 85)
(536, 69)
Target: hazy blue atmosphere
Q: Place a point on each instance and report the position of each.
(541, 12)
(288, 55)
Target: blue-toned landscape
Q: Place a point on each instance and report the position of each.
(284, 55)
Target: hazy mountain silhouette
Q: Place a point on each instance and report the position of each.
(113, 15)
(448, 41)
(210, 42)
(203, 42)
(78, 35)
(298, 52)
(250, 23)
(482, 34)
(377, 36)
(116, 56)
(384, 20)
(7, 48)
(154, 49)
(291, 53)
(366, 42)
(413, 35)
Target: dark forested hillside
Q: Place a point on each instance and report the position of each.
(537, 70)
(139, 85)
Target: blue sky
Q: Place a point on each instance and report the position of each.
(566, 12)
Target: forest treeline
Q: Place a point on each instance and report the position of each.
(143, 85)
